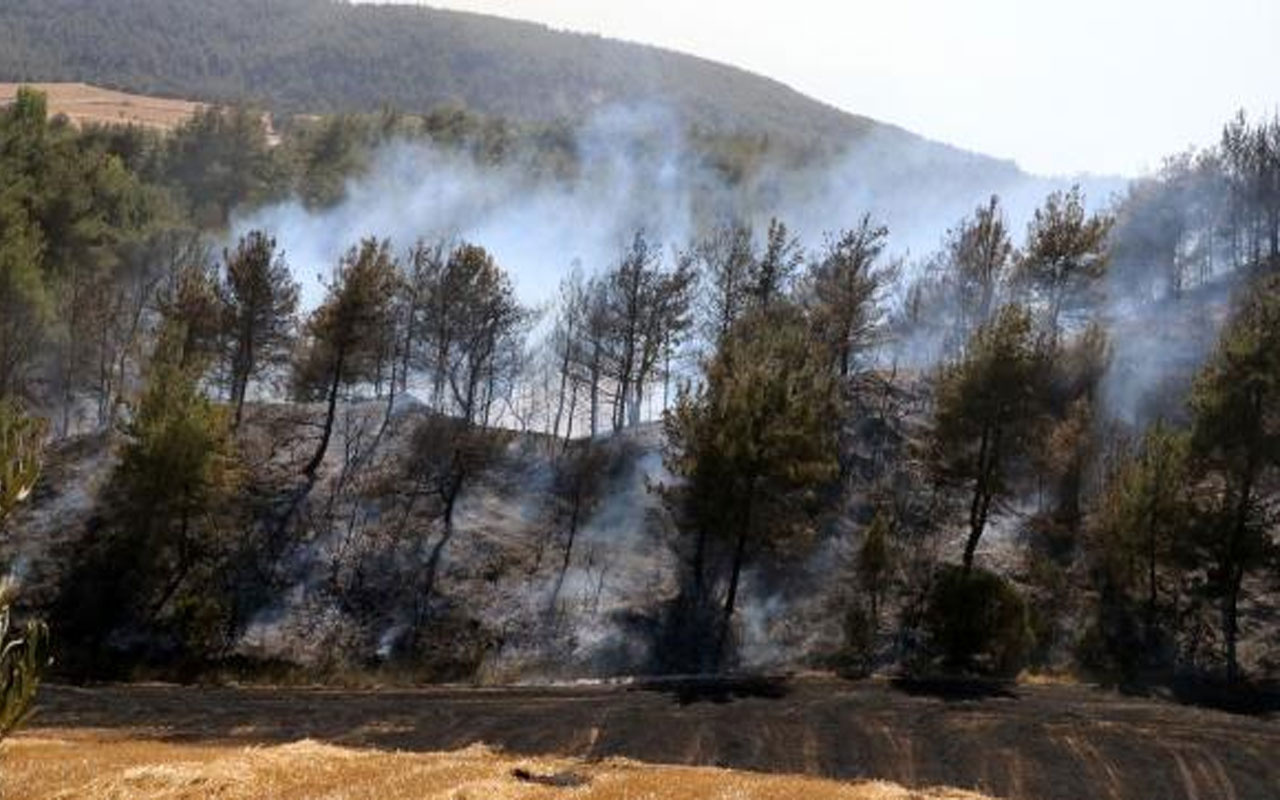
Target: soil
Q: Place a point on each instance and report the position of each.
(82, 103)
(1043, 741)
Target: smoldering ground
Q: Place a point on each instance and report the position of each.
(636, 169)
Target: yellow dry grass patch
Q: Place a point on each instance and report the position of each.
(89, 764)
(82, 104)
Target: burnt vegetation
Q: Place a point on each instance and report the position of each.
(968, 463)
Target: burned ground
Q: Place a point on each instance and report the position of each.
(1041, 742)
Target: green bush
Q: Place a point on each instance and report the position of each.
(23, 656)
(977, 622)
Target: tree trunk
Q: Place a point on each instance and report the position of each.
(1234, 558)
(573, 409)
(313, 466)
(1152, 532)
(240, 380)
(595, 392)
(437, 552)
(637, 402)
(568, 551)
(981, 500)
(730, 600)
(1231, 623)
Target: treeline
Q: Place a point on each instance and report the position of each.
(999, 515)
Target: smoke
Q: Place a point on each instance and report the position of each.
(636, 169)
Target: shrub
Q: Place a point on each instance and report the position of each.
(978, 622)
(22, 659)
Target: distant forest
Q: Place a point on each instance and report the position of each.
(321, 56)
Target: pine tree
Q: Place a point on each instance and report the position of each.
(754, 444)
(176, 474)
(980, 254)
(25, 304)
(1144, 516)
(845, 286)
(777, 266)
(1236, 445)
(988, 406)
(1066, 255)
(346, 334)
(261, 298)
(875, 561)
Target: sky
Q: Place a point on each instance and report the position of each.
(1060, 86)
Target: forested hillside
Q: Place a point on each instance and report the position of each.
(1053, 446)
(322, 56)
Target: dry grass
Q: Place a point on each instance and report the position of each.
(86, 763)
(82, 104)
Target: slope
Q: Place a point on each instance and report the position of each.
(322, 56)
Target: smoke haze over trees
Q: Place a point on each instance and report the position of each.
(383, 389)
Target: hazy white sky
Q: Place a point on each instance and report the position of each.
(1061, 86)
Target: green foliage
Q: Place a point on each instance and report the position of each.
(485, 321)
(219, 160)
(178, 460)
(845, 285)
(980, 253)
(875, 561)
(25, 302)
(23, 651)
(191, 308)
(754, 444)
(23, 658)
(158, 566)
(72, 218)
(347, 337)
(1236, 446)
(261, 298)
(977, 621)
(756, 440)
(1066, 255)
(987, 415)
(1250, 155)
(21, 441)
(321, 57)
(344, 332)
(1144, 513)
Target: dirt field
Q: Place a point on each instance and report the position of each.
(1043, 742)
(82, 104)
(84, 764)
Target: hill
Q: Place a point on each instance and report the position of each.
(323, 56)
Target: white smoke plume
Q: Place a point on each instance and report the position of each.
(637, 170)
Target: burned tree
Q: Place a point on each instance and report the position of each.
(1236, 446)
(343, 337)
(486, 334)
(579, 479)
(753, 446)
(1066, 256)
(844, 292)
(726, 260)
(448, 455)
(261, 298)
(979, 252)
(647, 307)
(987, 408)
